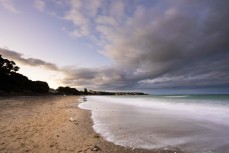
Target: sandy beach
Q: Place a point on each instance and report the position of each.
(51, 124)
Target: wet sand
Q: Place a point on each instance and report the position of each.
(52, 124)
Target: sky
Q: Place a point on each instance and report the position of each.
(155, 46)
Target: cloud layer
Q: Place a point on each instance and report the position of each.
(153, 44)
(9, 5)
(18, 57)
(165, 44)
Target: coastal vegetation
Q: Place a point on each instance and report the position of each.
(14, 83)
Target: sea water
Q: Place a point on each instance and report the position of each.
(193, 123)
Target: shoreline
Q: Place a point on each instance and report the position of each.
(94, 140)
(107, 146)
(52, 124)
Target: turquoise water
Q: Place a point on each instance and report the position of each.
(194, 123)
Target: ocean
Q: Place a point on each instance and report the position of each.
(193, 123)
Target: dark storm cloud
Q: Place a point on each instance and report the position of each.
(173, 44)
(179, 43)
(26, 61)
(96, 78)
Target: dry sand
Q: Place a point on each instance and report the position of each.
(51, 124)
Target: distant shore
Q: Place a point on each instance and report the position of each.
(51, 124)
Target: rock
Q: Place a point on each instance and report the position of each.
(71, 119)
(51, 146)
(96, 136)
(95, 148)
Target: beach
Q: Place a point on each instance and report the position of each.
(51, 124)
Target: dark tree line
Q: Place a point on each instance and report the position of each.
(67, 91)
(70, 91)
(13, 82)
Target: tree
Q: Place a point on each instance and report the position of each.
(85, 91)
(13, 82)
(20, 82)
(67, 91)
(39, 87)
(7, 66)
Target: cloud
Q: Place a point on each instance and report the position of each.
(6, 53)
(105, 20)
(153, 45)
(99, 78)
(9, 5)
(79, 77)
(39, 4)
(80, 13)
(162, 45)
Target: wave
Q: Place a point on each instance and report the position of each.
(152, 122)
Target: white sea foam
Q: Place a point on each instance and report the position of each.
(150, 122)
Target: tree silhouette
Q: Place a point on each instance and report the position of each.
(85, 91)
(39, 86)
(67, 91)
(7, 66)
(13, 82)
